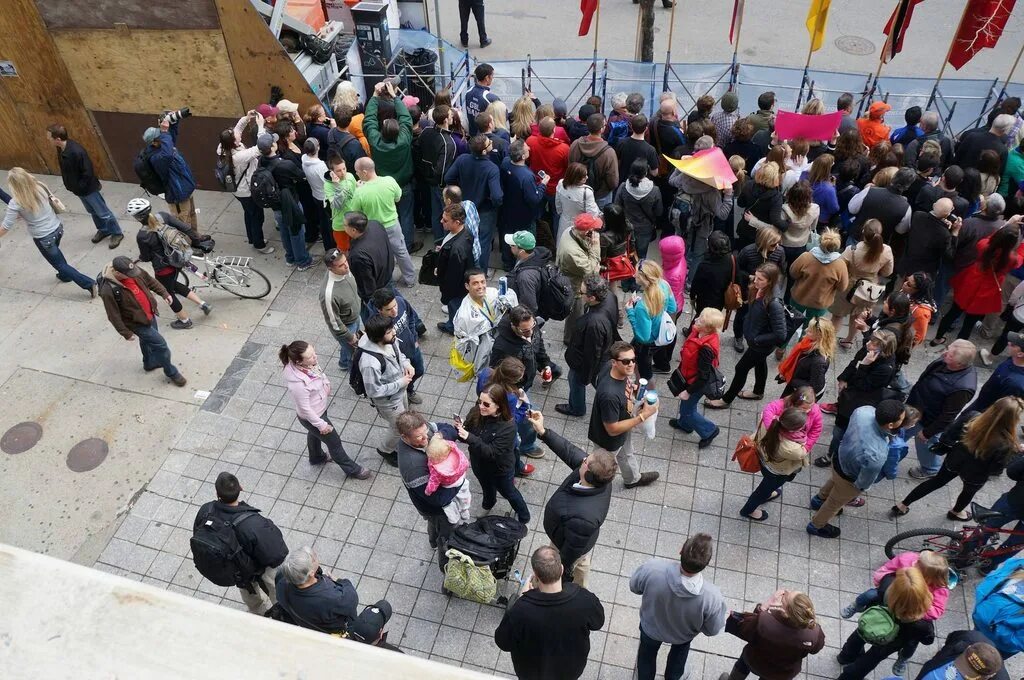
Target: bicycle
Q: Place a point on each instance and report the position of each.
(232, 273)
(973, 545)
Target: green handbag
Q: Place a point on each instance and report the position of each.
(463, 578)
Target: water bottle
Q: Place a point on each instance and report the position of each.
(641, 390)
(503, 285)
(651, 397)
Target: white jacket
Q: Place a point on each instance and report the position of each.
(473, 325)
(315, 170)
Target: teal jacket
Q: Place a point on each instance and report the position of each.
(1013, 173)
(645, 329)
(393, 159)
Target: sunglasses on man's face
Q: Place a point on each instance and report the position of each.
(627, 361)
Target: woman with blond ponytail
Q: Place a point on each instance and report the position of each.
(30, 201)
(780, 634)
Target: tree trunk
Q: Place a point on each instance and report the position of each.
(647, 31)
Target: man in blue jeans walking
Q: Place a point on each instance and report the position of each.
(677, 604)
(80, 179)
(127, 294)
(593, 333)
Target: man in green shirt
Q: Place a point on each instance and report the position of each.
(338, 191)
(377, 198)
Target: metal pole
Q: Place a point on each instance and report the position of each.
(805, 78)
(1013, 70)
(636, 49)
(671, 29)
(597, 30)
(739, 27)
(440, 41)
(949, 53)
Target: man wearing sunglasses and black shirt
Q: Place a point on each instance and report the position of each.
(612, 419)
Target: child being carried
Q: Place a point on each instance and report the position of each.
(447, 465)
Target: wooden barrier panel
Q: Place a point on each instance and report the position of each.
(147, 71)
(166, 14)
(41, 94)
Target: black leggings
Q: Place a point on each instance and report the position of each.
(644, 359)
(753, 358)
(174, 285)
(950, 318)
(943, 477)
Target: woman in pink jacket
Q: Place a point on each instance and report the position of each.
(310, 391)
(935, 570)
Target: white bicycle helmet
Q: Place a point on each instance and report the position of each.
(139, 208)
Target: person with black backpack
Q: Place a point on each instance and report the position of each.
(272, 185)
(540, 286)
(384, 373)
(234, 545)
(163, 243)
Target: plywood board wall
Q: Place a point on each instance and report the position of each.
(167, 14)
(148, 71)
(42, 94)
(258, 59)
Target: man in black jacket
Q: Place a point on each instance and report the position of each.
(594, 332)
(946, 187)
(291, 222)
(548, 628)
(259, 538)
(527, 276)
(369, 256)
(312, 598)
(454, 258)
(414, 432)
(576, 510)
(970, 653)
(80, 179)
(436, 152)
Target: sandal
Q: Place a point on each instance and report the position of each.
(895, 512)
(950, 515)
(750, 396)
(775, 494)
(937, 342)
(716, 404)
(846, 344)
(763, 517)
(857, 502)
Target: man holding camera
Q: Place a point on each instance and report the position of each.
(170, 165)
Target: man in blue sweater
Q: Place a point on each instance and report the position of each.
(480, 182)
(862, 453)
(480, 96)
(523, 196)
(1008, 378)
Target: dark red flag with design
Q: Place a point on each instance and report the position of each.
(982, 26)
(896, 28)
(587, 7)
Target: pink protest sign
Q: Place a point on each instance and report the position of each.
(792, 125)
(709, 166)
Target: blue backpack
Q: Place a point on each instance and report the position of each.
(998, 614)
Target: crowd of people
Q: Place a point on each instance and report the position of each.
(874, 228)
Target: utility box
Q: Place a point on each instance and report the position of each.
(370, 22)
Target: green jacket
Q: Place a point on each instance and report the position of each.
(393, 159)
(339, 198)
(1013, 173)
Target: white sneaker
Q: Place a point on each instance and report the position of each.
(986, 357)
(266, 251)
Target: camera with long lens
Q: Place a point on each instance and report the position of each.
(176, 116)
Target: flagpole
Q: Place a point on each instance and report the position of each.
(881, 62)
(1013, 69)
(803, 81)
(949, 53)
(597, 30)
(736, 44)
(668, 51)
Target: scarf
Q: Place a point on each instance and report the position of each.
(788, 365)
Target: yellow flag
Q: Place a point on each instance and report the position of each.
(817, 19)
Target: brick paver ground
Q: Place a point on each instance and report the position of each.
(370, 533)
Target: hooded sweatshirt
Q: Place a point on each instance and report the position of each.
(676, 607)
(548, 634)
(606, 164)
(550, 155)
(673, 262)
(818, 276)
(641, 204)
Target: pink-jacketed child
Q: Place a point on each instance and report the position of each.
(935, 572)
(447, 466)
(811, 431)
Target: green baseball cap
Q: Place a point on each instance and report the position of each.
(522, 239)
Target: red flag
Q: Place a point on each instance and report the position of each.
(587, 7)
(737, 19)
(982, 26)
(896, 28)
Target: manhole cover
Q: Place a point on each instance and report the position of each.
(21, 437)
(853, 44)
(87, 455)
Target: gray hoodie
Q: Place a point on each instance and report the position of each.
(641, 204)
(382, 385)
(675, 607)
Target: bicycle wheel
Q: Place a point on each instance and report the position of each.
(245, 282)
(942, 541)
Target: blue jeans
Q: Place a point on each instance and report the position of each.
(770, 482)
(101, 215)
(49, 247)
(155, 352)
(928, 460)
(345, 353)
(417, 365)
(577, 394)
(837, 437)
(647, 658)
(604, 200)
(527, 435)
(488, 224)
(295, 252)
(691, 418)
(505, 485)
(866, 599)
(406, 214)
(453, 307)
(643, 242)
(436, 206)
(253, 215)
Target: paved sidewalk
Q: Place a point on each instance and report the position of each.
(370, 533)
